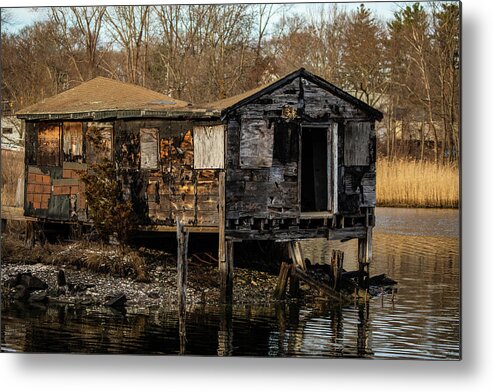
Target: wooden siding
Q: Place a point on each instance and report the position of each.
(175, 191)
(171, 190)
(261, 164)
(320, 105)
(261, 189)
(262, 192)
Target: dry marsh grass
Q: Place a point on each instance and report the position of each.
(95, 257)
(417, 184)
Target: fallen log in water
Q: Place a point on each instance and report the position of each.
(324, 289)
(295, 275)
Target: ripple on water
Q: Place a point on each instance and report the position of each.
(418, 248)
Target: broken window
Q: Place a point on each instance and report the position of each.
(149, 148)
(72, 142)
(99, 142)
(286, 142)
(49, 145)
(208, 147)
(256, 143)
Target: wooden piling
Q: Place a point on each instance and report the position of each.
(337, 262)
(296, 254)
(225, 333)
(282, 280)
(365, 254)
(182, 271)
(222, 217)
(226, 272)
(225, 253)
(30, 234)
(294, 282)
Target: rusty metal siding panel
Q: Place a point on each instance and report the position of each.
(208, 147)
(149, 148)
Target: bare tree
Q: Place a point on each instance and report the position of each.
(129, 26)
(32, 63)
(79, 33)
(314, 42)
(205, 49)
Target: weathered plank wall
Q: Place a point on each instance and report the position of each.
(173, 190)
(263, 152)
(261, 162)
(164, 188)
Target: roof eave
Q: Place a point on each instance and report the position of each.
(119, 114)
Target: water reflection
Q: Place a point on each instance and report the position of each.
(423, 321)
(225, 333)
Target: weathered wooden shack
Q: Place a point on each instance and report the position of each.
(288, 161)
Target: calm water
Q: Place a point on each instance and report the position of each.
(418, 248)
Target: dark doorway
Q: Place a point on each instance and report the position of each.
(314, 169)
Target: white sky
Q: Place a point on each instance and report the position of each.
(23, 14)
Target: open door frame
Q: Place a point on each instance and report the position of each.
(332, 163)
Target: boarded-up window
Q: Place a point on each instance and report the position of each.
(99, 144)
(357, 144)
(72, 142)
(256, 143)
(208, 145)
(49, 145)
(149, 148)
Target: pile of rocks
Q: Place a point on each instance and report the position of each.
(66, 284)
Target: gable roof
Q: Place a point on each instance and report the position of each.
(228, 105)
(104, 95)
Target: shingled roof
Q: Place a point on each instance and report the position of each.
(102, 95)
(227, 105)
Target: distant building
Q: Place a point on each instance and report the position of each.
(12, 129)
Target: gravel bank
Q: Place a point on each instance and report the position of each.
(88, 287)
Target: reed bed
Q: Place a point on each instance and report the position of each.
(417, 184)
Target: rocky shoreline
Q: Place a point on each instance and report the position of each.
(92, 274)
(92, 287)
